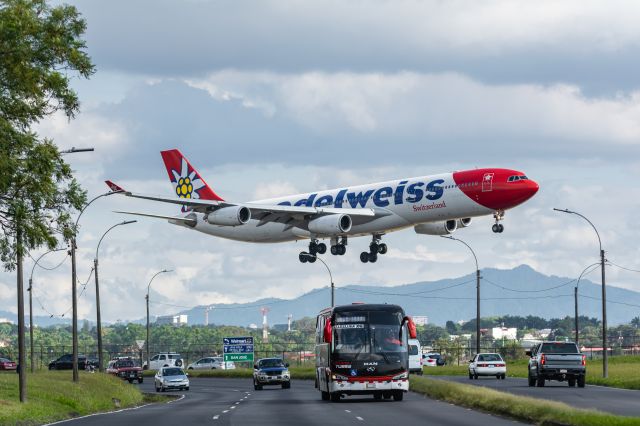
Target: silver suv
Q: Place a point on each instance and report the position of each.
(271, 371)
(164, 359)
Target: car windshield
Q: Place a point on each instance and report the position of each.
(413, 350)
(125, 363)
(559, 348)
(269, 363)
(489, 357)
(173, 372)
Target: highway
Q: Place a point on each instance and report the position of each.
(234, 402)
(616, 401)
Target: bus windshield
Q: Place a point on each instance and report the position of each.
(368, 332)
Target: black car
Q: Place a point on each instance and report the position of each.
(65, 362)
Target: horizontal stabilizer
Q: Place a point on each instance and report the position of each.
(187, 220)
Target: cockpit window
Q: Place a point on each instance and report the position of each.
(517, 178)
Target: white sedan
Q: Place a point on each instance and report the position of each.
(168, 378)
(487, 364)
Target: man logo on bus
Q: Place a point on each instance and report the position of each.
(353, 372)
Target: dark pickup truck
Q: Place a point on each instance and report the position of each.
(557, 361)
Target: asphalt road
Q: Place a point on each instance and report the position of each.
(234, 402)
(616, 401)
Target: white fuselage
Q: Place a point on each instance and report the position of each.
(398, 204)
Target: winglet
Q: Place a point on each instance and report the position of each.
(113, 187)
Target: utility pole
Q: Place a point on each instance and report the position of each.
(147, 298)
(477, 290)
(98, 317)
(605, 355)
(22, 359)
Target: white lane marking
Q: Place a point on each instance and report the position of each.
(216, 417)
(347, 411)
(360, 418)
(177, 400)
(97, 414)
(225, 411)
(232, 407)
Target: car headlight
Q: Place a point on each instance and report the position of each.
(339, 377)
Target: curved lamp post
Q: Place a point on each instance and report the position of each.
(33, 367)
(330, 276)
(477, 290)
(98, 319)
(575, 293)
(147, 297)
(74, 296)
(605, 360)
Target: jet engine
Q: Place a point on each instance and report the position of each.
(229, 216)
(332, 224)
(464, 222)
(437, 228)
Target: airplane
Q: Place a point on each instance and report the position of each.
(432, 205)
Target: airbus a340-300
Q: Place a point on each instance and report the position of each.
(432, 205)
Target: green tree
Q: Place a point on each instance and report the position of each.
(41, 49)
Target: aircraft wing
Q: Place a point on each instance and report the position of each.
(263, 212)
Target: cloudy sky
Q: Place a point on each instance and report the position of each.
(275, 97)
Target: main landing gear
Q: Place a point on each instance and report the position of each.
(375, 248)
(338, 248)
(498, 227)
(315, 248)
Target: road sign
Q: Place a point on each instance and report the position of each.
(238, 349)
(140, 344)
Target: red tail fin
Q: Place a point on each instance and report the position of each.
(187, 182)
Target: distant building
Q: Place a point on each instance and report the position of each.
(176, 320)
(504, 333)
(420, 319)
(253, 326)
(544, 333)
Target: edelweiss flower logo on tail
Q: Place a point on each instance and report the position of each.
(187, 184)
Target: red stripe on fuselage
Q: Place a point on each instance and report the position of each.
(491, 188)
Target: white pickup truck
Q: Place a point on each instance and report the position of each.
(164, 359)
(557, 361)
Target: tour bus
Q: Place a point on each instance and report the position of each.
(362, 349)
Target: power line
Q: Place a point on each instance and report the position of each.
(611, 301)
(622, 267)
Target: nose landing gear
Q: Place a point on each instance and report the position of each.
(375, 248)
(498, 227)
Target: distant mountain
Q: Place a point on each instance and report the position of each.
(520, 291)
(40, 321)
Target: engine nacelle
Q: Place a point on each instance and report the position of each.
(333, 224)
(437, 228)
(463, 223)
(229, 216)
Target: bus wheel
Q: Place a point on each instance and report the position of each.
(398, 396)
(335, 397)
(387, 395)
(377, 395)
(325, 395)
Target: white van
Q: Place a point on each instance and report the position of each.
(415, 357)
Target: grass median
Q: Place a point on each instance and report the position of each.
(624, 371)
(52, 396)
(521, 408)
(297, 373)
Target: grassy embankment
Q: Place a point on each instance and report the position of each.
(53, 396)
(624, 371)
(521, 408)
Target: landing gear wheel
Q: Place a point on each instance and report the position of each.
(303, 257)
(342, 249)
(364, 257)
(373, 248)
(500, 228)
(373, 257)
(382, 248)
(334, 250)
(495, 228)
(321, 248)
(311, 259)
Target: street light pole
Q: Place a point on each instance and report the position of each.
(98, 318)
(147, 298)
(605, 355)
(477, 290)
(74, 297)
(30, 290)
(576, 298)
(333, 288)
